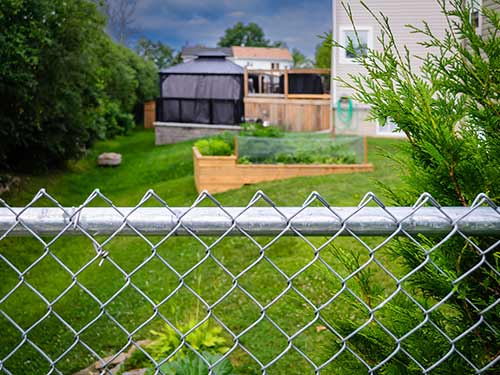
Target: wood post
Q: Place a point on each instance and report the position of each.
(365, 150)
(285, 80)
(245, 82)
(332, 118)
(260, 83)
(236, 145)
(149, 114)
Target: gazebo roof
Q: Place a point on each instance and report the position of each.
(213, 62)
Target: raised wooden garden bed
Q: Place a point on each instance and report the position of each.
(221, 173)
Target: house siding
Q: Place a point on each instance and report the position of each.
(486, 26)
(254, 64)
(400, 13)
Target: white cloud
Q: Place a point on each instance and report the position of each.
(237, 14)
(197, 21)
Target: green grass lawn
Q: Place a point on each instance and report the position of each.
(168, 171)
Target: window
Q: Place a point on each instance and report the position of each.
(361, 43)
(275, 66)
(475, 15)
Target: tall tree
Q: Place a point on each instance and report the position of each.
(63, 82)
(300, 60)
(449, 108)
(120, 18)
(161, 54)
(323, 53)
(278, 44)
(47, 82)
(250, 35)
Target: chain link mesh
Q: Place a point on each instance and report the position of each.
(340, 303)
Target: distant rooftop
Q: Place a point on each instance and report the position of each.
(193, 51)
(261, 53)
(209, 62)
(213, 54)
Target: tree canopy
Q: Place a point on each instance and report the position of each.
(160, 54)
(121, 17)
(63, 82)
(323, 55)
(300, 60)
(250, 35)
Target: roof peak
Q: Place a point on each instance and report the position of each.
(212, 54)
(260, 47)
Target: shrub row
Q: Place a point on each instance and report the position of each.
(63, 82)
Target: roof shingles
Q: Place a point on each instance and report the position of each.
(262, 53)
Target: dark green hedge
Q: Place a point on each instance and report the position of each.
(63, 82)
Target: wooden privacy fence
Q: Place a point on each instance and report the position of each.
(301, 115)
(292, 111)
(149, 114)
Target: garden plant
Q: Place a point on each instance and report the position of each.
(260, 144)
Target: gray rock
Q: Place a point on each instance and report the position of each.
(141, 343)
(122, 357)
(114, 367)
(141, 371)
(109, 159)
(91, 370)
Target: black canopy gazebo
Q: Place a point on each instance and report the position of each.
(207, 90)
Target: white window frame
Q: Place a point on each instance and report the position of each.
(343, 59)
(476, 5)
(387, 130)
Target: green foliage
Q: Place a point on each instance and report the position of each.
(312, 158)
(137, 360)
(300, 60)
(450, 112)
(250, 35)
(112, 121)
(214, 147)
(160, 54)
(192, 364)
(449, 109)
(278, 44)
(299, 149)
(205, 338)
(254, 129)
(270, 145)
(323, 55)
(58, 67)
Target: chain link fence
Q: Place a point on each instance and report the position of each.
(259, 289)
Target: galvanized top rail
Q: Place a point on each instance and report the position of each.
(255, 221)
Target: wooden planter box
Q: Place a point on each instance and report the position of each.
(221, 173)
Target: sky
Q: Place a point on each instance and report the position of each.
(299, 23)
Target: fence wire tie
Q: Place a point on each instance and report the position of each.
(100, 252)
(75, 219)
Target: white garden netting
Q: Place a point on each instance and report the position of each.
(301, 148)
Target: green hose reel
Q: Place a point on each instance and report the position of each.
(345, 112)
